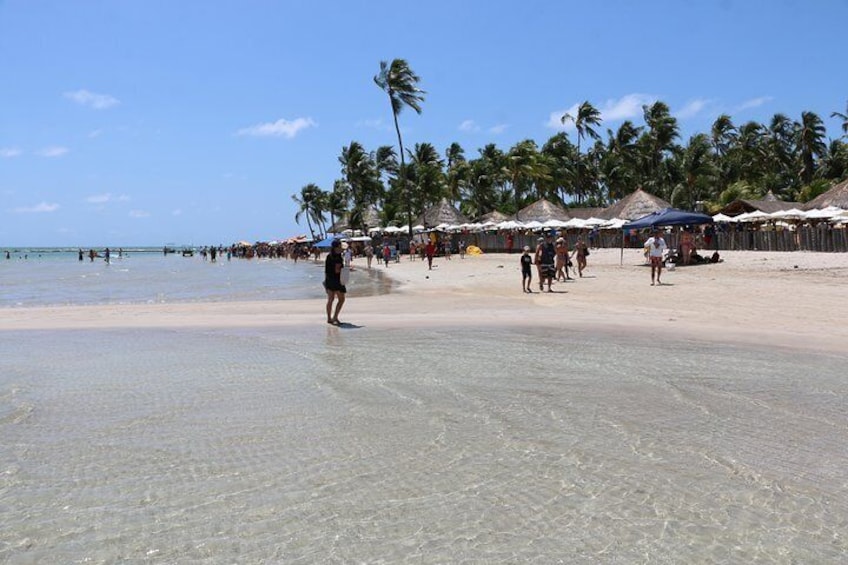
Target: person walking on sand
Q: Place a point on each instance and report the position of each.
(581, 250)
(656, 247)
(369, 254)
(546, 254)
(562, 260)
(387, 254)
(333, 282)
(526, 270)
(430, 251)
(537, 260)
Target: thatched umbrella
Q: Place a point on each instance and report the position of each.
(542, 211)
(836, 196)
(442, 213)
(769, 204)
(635, 205)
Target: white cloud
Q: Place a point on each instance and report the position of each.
(54, 151)
(280, 128)
(95, 133)
(40, 207)
(139, 214)
(9, 152)
(754, 103)
(92, 99)
(107, 197)
(627, 107)
(692, 108)
(177, 212)
(500, 128)
(469, 126)
(372, 123)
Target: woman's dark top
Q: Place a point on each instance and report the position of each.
(332, 279)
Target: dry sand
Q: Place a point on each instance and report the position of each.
(795, 300)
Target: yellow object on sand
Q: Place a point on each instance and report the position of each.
(473, 250)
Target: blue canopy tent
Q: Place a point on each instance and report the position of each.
(668, 217)
(326, 242)
(663, 218)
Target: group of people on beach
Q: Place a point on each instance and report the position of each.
(552, 261)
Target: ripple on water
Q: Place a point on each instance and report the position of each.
(423, 445)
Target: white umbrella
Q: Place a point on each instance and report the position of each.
(614, 224)
(755, 216)
(723, 218)
(575, 223)
(824, 213)
(506, 225)
(791, 214)
(554, 224)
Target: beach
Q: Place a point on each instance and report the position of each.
(452, 419)
(779, 299)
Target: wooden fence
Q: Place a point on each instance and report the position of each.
(823, 237)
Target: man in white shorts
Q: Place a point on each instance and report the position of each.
(656, 247)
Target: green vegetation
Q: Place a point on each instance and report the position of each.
(793, 159)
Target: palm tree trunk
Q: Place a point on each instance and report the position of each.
(402, 177)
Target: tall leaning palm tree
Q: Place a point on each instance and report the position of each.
(587, 116)
(401, 84)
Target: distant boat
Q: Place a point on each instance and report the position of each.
(188, 252)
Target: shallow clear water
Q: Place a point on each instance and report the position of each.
(60, 279)
(338, 445)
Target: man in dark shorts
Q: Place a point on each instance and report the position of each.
(547, 260)
(333, 282)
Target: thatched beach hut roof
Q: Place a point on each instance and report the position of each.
(442, 213)
(493, 216)
(635, 205)
(836, 196)
(769, 204)
(585, 213)
(371, 217)
(542, 211)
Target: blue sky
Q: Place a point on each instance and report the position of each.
(144, 122)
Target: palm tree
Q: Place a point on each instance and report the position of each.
(723, 134)
(309, 205)
(401, 84)
(522, 167)
(843, 117)
(426, 176)
(699, 173)
(587, 116)
(657, 143)
(810, 142)
(335, 201)
(360, 174)
(456, 171)
(560, 157)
